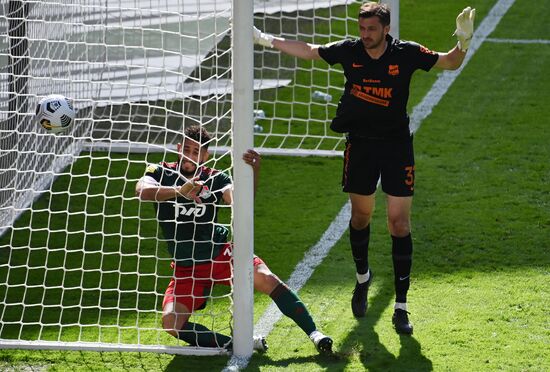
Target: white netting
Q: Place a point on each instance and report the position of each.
(297, 116)
(81, 265)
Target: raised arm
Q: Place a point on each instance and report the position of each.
(464, 33)
(451, 60)
(294, 48)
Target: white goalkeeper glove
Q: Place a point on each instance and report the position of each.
(465, 28)
(262, 38)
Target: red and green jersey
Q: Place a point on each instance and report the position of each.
(374, 102)
(190, 229)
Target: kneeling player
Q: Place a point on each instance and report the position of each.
(187, 195)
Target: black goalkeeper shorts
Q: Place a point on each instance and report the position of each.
(366, 160)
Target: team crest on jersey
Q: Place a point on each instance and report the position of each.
(393, 70)
(205, 192)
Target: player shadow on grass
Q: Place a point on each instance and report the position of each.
(190, 363)
(257, 362)
(326, 362)
(364, 340)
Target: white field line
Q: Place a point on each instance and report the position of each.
(313, 258)
(305, 268)
(446, 79)
(517, 41)
(319, 251)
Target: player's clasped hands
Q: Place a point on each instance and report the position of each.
(192, 189)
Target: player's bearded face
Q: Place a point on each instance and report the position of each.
(372, 32)
(191, 157)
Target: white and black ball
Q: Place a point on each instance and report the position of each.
(55, 113)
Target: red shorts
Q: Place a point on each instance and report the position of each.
(191, 285)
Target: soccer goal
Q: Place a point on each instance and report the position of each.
(81, 263)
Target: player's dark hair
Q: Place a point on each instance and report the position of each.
(198, 134)
(374, 9)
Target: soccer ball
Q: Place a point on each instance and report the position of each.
(55, 113)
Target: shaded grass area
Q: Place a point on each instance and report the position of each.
(78, 258)
(480, 288)
(84, 287)
(479, 297)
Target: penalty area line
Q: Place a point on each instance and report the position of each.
(517, 41)
(302, 272)
(446, 78)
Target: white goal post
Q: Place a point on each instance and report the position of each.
(83, 265)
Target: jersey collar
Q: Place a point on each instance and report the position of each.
(389, 46)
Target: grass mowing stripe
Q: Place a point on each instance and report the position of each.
(306, 267)
(500, 140)
(443, 83)
(312, 258)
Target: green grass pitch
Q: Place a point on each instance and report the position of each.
(480, 291)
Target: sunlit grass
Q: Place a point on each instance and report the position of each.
(481, 228)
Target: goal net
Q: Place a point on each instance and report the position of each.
(81, 262)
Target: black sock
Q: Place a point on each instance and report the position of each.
(290, 305)
(359, 240)
(402, 261)
(198, 335)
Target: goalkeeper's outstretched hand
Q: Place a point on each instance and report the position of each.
(465, 28)
(262, 38)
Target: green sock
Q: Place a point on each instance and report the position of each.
(290, 305)
(198, 335)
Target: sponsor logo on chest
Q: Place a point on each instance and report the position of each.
(198, 210)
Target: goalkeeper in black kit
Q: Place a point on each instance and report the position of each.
(187, 196)
(372, 111)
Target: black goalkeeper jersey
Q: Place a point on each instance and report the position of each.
(190, 229)
(374, 103)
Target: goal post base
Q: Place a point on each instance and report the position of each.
(110, 347)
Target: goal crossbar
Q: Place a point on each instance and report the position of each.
(143, 148)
